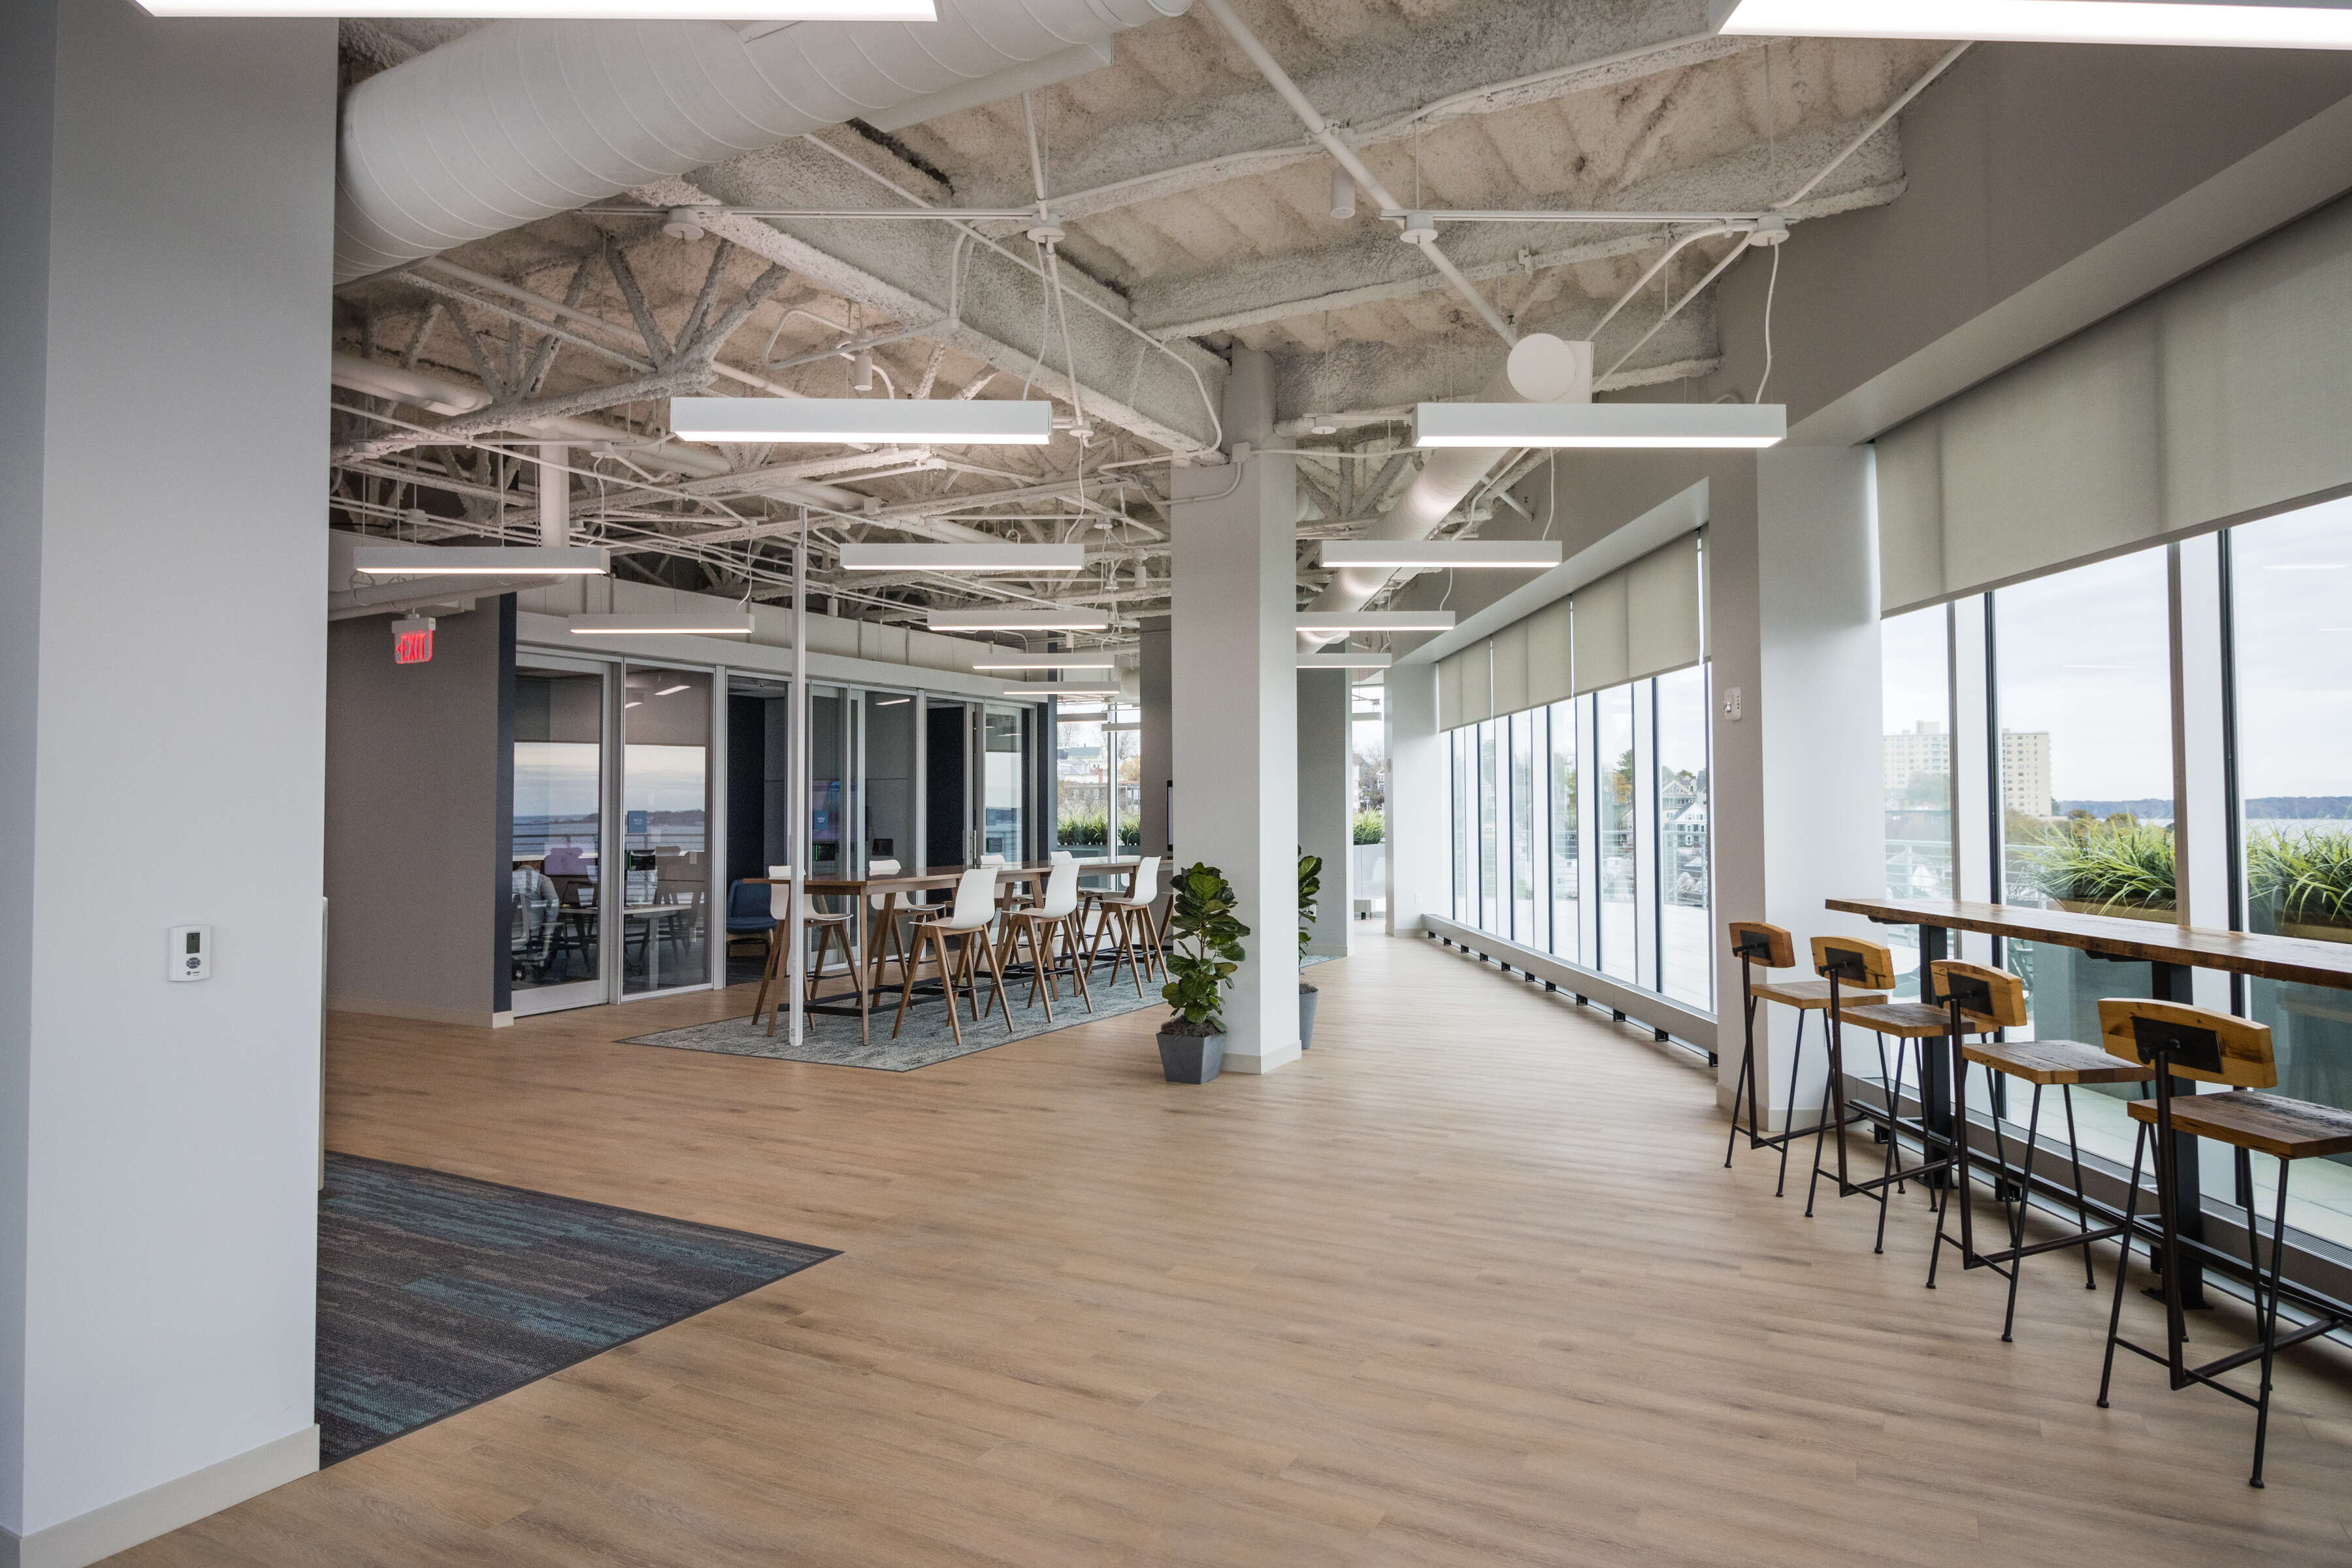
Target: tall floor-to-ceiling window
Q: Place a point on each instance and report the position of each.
(1567, 823)
(2081, 679)
(1685, 877)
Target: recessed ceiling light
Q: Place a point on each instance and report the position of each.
(567, 10)
(1016, 619)
(1609, 426)
(1059, 688)
(481, 560)
(1377, 620)
(2314, 25)
(1007, 556)
(1448, 553)
(933, 421)
(668, 623)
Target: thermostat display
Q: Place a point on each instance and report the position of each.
(190, 953)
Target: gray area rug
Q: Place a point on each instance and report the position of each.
(926, 1041)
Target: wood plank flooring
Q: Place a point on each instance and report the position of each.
(1468, 1285)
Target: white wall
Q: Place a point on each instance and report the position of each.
(170, 206)
(1327, 802)
(413, 821)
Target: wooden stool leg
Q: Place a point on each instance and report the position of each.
(996, 971)
(1077, 969)
(955, 1024)
(768, 974)
(907, 988)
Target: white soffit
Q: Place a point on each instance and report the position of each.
(1346, 660)
(1604, 426)
(1015, 618)
(1376, 620)
(2243, 23)
(688, 622)
(567, 10)
(930, 421)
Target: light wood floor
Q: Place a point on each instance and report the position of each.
(1467, 1286)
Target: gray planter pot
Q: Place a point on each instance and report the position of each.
(1191, 1058)
(1308, 997)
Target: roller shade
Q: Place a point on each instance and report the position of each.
(1449, 692)
(1478, 682)
(1600, 640)
(2225, 395)
(1550, 659)
(1510, 646)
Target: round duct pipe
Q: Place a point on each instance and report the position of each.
(519, 121)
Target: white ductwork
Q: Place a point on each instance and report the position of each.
(1540, 369)
(520, 121)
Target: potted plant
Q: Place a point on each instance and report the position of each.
(1310, 887)
(2114, 868)
(1205, 948)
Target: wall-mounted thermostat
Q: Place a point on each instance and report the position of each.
(192, 953)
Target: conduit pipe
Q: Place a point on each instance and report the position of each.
(519, 121)
(1541, 368)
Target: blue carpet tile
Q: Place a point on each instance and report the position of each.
(437, 1292)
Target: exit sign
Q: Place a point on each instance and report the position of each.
(411, 640)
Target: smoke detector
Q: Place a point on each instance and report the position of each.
(683, 223)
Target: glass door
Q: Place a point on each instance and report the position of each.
(554, 928)
(1000, 780)
(665, 811)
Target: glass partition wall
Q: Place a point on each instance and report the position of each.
(680, 776)
(2081, 686)
(1581, 830)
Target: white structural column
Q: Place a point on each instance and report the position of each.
(1419, 807)
(554, 493)
(1327, 802)
(168, 190)
(1794, 630)
(1234, 707)
(1154, 755)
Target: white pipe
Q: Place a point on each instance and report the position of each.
(519, 121)
(1540, 369)
(1950, 57)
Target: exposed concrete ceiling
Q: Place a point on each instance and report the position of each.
(1197, 217)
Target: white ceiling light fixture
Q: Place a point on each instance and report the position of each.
(1377, 620)
(1346, 660)
(482, 560)
(971, 557)
(2241, 24)
(1607, 426)
(689, 622)
(1449, 554)
(567, 10)
(1015, 618)
(1060, 688)
(1094, 660)
(930, 421)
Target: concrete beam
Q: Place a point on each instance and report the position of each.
(913, 273)
(1479, 60)
(1373, 269)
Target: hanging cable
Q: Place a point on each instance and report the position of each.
(1770, 289)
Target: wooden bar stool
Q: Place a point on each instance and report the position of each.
(2178, 1041)
(1860, 961)
(1139, 938)
(1999, 997)
(1768, 947)
(829, 927)
(1057, 916)
(967, 924)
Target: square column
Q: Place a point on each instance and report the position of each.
(1418, 805)
(1327, 802)
(1793, 628)
(1234, 724)
(166, 224)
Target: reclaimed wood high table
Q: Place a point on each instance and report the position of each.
(861, 890)
(2173, 954)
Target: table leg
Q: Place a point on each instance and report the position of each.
(1937, 1067)
(2176, 983)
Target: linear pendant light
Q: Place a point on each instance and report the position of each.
(1448, 553)
(972, 557)
(1376, 620)
(1062, 689)
(934, 421)
(1013, 618)
(1346, 660)
(2313, 24)
(1600, 425)
(482, 560)
(1092, 660)
(567, 10)
(690, 622)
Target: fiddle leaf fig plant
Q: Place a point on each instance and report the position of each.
(1310, 889)
(1204, 950)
